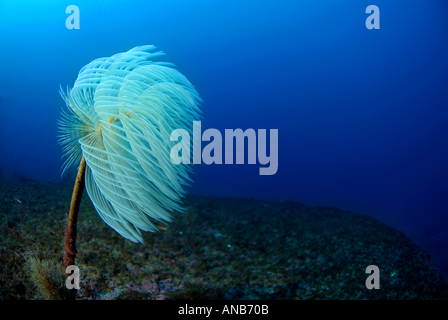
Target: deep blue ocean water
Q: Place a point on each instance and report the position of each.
(361, 114)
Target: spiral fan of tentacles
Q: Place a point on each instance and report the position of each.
(121, 112)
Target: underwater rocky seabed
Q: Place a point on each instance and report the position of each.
(219, 248)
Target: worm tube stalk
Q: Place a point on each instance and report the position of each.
(70, 231)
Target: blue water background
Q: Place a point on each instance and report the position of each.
(361, 114)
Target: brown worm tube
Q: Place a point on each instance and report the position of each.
(70, 231)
